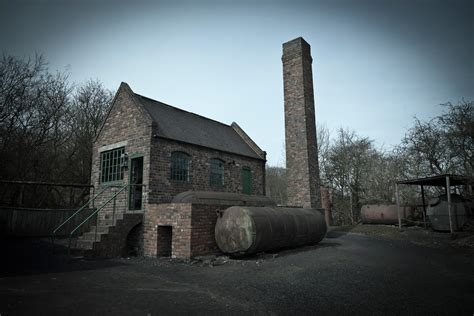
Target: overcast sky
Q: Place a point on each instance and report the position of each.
(376, 63)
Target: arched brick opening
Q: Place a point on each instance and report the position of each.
(134, 242)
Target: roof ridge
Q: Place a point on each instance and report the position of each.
(179, 109)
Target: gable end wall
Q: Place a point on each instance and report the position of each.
(127, 125)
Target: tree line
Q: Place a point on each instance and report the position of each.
(47, 125)
(358, 173)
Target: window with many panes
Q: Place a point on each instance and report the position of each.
(180, 166)
(111, 162)
(217, 173)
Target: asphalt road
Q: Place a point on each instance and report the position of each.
(346, 274)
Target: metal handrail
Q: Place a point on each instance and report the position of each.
(77, 212)
(94, 213)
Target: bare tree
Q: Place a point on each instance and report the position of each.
(46, 126)
(443, 144)
(276, 184)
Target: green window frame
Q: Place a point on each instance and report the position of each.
(111, 162)
(180, 166)
(217, 173)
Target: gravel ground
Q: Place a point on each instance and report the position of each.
(346, 274)
(414, 234)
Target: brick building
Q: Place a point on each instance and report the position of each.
(153, 153)
(147, 152)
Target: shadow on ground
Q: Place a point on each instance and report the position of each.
(26, 256)
(338, 231)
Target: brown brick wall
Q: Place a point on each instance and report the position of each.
(204, 220)
(300, 128)
(114, 243)
(128, 123)
(163, 189)
(125, 122)
(192, 226)
(177, 215)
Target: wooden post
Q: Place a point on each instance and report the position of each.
(352, 213)
(398, 207)
(424, 205)
(448, 192)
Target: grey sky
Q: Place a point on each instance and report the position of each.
(376, 63)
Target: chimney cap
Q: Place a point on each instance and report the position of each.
(296, 48)
(299, 41)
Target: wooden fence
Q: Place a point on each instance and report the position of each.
(26, 222)
(35, 209)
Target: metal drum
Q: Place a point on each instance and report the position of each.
(242, 230)
(461, 211)
(384, 213)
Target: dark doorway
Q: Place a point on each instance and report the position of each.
(134, 242)
(136, 184)
(164, 238)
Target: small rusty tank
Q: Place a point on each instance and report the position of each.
(386, 213)
(437, 212)
(242, 230)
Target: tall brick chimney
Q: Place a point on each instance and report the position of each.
(302, 165)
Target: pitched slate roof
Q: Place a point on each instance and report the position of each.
(180, 125)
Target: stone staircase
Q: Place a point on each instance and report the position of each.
(112, 225)
(110, 239)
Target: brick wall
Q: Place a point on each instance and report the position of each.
(192, 224)
(130, 126)
(126, 125)
(300, 128)
(177, 215)
(163, 189)
(114, 244)
(203, 222)
(192, 227)
(326, 204)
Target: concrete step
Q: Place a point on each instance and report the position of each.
(106, 222)
(91, 236)
(100, 229)
(85, 244)
(109, 215)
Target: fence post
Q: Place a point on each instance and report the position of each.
(398, 207)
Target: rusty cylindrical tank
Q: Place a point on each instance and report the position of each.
(384, 213)
(437, 212)
(242, 230)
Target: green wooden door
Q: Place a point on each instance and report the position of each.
(136, 184)
(246, 181)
